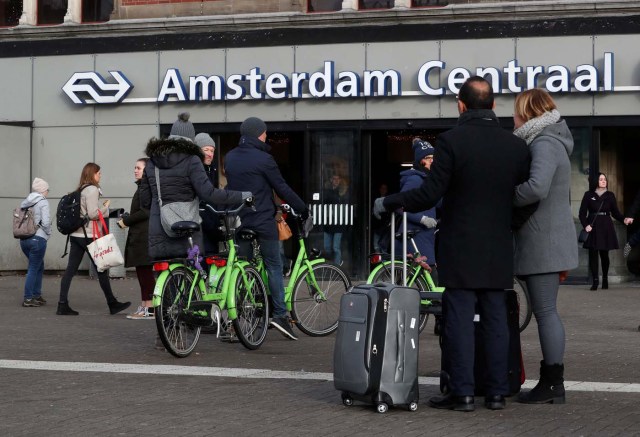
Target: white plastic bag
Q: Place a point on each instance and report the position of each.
(104, 249)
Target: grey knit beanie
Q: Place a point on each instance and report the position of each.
(253, 127)
(183, 127)
(203, 140)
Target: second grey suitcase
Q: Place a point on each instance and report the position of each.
(376, 351)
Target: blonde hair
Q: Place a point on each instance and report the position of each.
(533, 103)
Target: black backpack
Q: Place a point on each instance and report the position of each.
(68, 216)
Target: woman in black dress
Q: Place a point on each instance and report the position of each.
(596, 209)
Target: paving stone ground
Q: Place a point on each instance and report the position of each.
(603, 345)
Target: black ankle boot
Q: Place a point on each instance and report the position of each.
(595, 285)
(115, 307)
(65, 310)
(605, 283)
(550, 388)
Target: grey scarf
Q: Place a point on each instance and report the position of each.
(532, 128)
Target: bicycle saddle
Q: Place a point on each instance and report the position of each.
(247, 234)
(410, 234)
(185, 227)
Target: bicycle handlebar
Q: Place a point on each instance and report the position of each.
(247, 202)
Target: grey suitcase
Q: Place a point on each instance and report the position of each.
(376, 351)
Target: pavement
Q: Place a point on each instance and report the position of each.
(101, 375)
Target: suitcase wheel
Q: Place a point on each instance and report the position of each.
(347, 401)
(413, 406)
(382, 407)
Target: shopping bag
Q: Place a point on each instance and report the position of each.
(104, 249)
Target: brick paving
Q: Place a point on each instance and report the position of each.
(602, 346)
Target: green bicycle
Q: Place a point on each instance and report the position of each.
(231, 293)
(315, 287)
(419, 276)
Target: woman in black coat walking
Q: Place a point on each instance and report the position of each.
(596, 209)
(136, 252)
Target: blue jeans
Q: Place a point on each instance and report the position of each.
(332, 243)
(34, 249)
(270, 251)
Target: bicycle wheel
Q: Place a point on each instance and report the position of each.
(384, 275)
(315, 305)
(252, 306)
(178, 337)
(524, 302)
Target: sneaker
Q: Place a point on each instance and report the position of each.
(283, 325)
(287, 268)
(141, 314)
(136, 314)
(627, 250)
(40, 300)
(30, 303)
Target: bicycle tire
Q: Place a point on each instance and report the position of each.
(524, 303)
(317, 315)
(252, 307)
(384, 275)
(178, 337)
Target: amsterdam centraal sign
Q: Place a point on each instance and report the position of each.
(92, 88)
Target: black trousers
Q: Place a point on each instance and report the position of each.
(76, 253)
(459, 306)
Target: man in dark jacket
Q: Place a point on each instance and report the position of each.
(476, 166)
(250, 167)
(182, 179)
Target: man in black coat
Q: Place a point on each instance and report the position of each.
(250, 167)
(476, 166)
(211, 232)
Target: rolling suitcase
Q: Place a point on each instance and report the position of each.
(376, 351)
(516, 374)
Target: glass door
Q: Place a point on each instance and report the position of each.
(335, 187)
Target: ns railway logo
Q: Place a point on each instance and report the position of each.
(92, 88)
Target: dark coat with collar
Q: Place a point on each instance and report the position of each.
(136, 251)
(475, 169)
(182, 178)
(250, 167)
(603, 235)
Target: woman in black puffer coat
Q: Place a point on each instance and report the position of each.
(182, 178)
(597, 207)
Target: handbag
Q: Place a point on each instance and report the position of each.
(104, 250)
(176, 211)
(584, 235)
(284, 231)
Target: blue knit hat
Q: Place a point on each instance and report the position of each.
(421, 149)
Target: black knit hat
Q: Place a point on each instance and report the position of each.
(253, 127)
(421, 149)
(183, 127)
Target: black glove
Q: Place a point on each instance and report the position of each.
(305, 214)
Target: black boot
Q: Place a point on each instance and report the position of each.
(115, 307)
(550, 388)
(65, 310)
(595, 284)
(605, 283)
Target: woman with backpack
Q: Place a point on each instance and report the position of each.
(90, 207)
(35, 246)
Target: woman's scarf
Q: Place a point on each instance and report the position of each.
(532, 128)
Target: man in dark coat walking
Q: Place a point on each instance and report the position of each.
(250, 167)
(476, 167)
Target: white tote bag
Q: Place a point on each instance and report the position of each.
(104, 249)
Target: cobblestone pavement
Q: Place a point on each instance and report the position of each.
(100, 375)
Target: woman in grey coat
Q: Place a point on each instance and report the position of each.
(546, 243)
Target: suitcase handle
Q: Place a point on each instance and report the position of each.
(404, 247)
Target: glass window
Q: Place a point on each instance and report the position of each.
(423, 3)
(376, 4)
(324, 5)
(51, 11)
(96, 11)
(10, 11)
